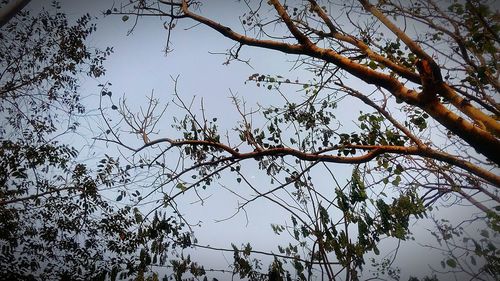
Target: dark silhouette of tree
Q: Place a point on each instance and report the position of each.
(55, 223)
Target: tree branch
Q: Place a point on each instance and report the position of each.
(10, 10)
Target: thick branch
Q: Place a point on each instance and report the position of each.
(10, 10)
(229, 33)
(372, 152)
(448, 93)
(289, 23)
(468, 109)
(481, 140)
(414, 47)
(363, 72)
(399, 69)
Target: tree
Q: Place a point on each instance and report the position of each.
(427, 126)
(55, 223)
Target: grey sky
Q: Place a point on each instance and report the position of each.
(139, 66)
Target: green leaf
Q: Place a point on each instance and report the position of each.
(119, 198)
(451, 263)
(373, 65)
(125, 18)
(181, 186)
(485, 233)
(396, 181)
(138, 217)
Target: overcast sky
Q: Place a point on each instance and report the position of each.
(140, 66)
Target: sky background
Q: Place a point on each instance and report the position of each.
(139, 67)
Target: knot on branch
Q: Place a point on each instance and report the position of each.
(430, 75)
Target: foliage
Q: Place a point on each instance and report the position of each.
(469, 252)
(426, 132)
(426, 129)
(55, 220)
